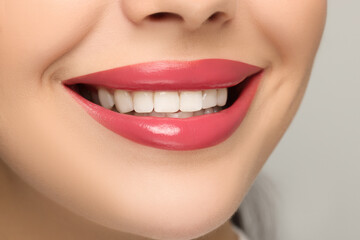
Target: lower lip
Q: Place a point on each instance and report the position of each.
(173, 133)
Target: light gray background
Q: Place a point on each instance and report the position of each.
(315, 169)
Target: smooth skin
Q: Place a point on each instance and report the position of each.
(64, 176)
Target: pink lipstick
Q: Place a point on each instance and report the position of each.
(174, 133)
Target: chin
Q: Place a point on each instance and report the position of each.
(176, 223)
(165, 212)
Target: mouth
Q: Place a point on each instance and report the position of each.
(173, 105)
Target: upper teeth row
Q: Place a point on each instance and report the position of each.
(162, 101)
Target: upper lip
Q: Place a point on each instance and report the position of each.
(171, 75)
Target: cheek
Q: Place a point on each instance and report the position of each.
(33, 34)
(39, 31)
(294, 27)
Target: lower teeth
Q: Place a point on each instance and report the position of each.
(178, 114)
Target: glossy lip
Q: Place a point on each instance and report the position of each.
(172, 133)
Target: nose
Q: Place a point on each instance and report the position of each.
(191, 13)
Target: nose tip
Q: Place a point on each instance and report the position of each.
(192, 14)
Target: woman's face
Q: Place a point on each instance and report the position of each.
(57, 147)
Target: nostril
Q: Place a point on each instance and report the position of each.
(216, 16)
(163, 16)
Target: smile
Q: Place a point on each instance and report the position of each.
(174, 105)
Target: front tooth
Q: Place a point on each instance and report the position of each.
(106, 98)
(123, 101)
(143, 101)
(180, 115)
(166, 101)
(209, 98)
(221, 96)
(190, 101)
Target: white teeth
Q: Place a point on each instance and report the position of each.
(180, 115)
(166, 101)
(106, 98)
(123, 101)
(163, 103)
(209, 98)
(221, 96)
(190, 101)
(143, 101)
